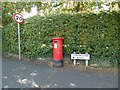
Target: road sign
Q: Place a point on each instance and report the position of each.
(85, 57)
(80, 56)
(18, 18)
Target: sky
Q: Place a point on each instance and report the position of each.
(32, 13)
(35, 12)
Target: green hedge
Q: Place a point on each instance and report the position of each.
(96, 34)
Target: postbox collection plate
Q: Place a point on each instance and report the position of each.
(55, 45)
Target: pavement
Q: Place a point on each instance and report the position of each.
(23, 74)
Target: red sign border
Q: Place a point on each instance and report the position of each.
(17, 21)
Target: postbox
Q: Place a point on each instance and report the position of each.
(57, 49)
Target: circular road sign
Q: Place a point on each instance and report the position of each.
(18, 18)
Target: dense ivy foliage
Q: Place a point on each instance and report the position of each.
(96, 34)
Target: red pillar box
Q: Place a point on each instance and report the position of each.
(57, 51)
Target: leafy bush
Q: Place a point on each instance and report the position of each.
(96, 34)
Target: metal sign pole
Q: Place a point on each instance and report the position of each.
(19, 41)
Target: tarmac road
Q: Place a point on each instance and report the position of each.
(22, 74)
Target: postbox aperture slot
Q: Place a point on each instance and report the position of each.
(55, 41)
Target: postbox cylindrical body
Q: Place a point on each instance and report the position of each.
(57, 48)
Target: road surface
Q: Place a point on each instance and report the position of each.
(23, 74)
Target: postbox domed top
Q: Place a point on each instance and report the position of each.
(57, 38)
